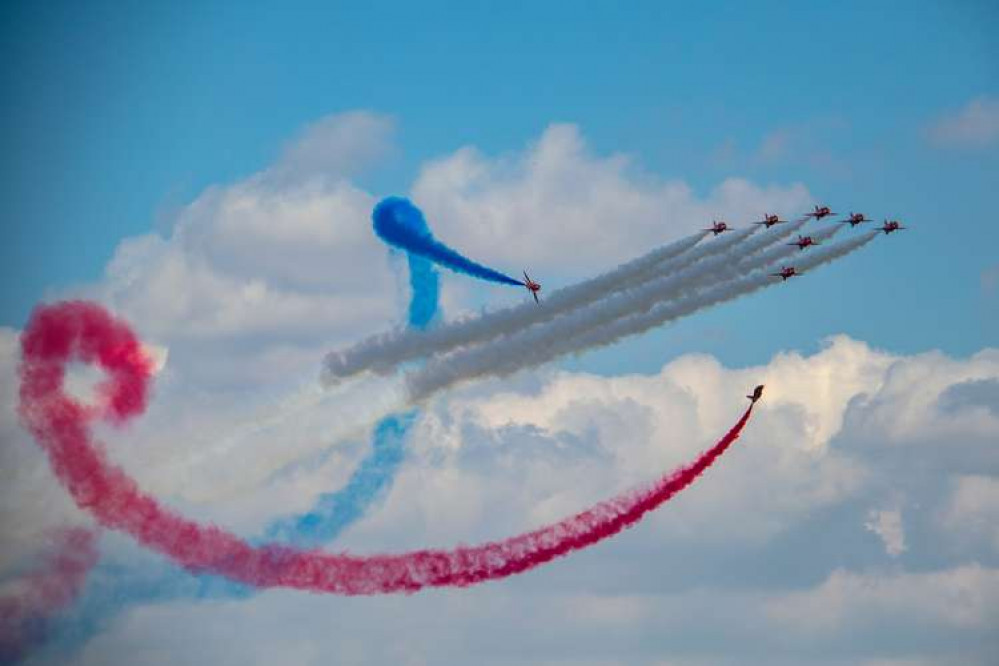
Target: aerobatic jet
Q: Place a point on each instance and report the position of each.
(857, 218)
(532, 287)
(803, 242)
(786, 272)
(890, 226)
(770, 220)
(820, 212)
(757, 394)
(717, 227)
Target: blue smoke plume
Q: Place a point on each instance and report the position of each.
(400, 224)
(110, 590)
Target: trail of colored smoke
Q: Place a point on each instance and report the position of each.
(25, 614)
(400, 224)
(110, 590)
(63, 332)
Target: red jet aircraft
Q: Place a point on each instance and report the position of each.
(891, 226)
(770, 220)
(532, 287)
(820, 212)
(757, 394)
(803, 242)
(785, 273)
(857, 218)
(717, 227)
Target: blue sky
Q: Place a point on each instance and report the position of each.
(117, 115)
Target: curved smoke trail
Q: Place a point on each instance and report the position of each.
(60, 333)
(400, 224)
(109, 592)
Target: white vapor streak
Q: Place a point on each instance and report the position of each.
(544, 343)
(383, 352)
(311, 419)
(668, 285)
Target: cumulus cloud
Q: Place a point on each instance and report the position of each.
(520, 208)
(887, 524)
(257, 278)
(963, 597)
(972, 511)
(975, 125)
(500, 458)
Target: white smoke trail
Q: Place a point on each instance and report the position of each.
(668, 285)
(309, 420)
(544, 343)
(384, 352)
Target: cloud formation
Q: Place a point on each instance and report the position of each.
(258, 278)
(974, 126)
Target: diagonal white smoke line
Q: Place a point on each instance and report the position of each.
(383, 352)
(667, 285)
(250, 455)
(541, 344)
(751, 253)
(784, 251)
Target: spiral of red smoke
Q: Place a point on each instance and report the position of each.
(59, 333)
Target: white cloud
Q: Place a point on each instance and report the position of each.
(336, 146)
(972, 512)
(887, 524)
(963, 597)
(519, 209)
(499, 458)
(975, 125)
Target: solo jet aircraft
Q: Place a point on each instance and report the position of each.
(756, 394)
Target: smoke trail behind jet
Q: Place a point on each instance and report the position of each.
(401, 224)
(384, 352)
(60, 333)
(111, 591)
(601, 326)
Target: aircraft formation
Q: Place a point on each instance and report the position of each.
(770, 219)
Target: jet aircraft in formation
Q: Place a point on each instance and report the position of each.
(770, 220)
(804, 241)
(785, 273)
(820, 212)
(857, 218)
(717, 227)
(890, 226)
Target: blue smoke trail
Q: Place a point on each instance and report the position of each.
(399, 223)
(110, 590)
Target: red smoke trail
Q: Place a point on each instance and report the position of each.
(61, 332)
(48, 589)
